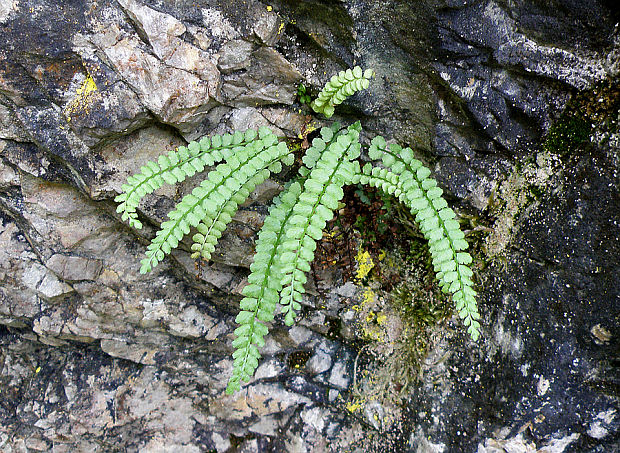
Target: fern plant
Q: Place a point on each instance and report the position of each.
(287, 241)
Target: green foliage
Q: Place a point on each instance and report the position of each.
(263, 289)
(287, 242)
(567, 135)
(340, 87)
(408, 180)
(302, 94)
(175, 166)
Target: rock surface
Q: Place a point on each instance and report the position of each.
(515, 105)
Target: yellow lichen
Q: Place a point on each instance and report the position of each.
(373, 333)
(353, 406)
(368, 297)
(85, 95)
(311, 127)
(364, 264)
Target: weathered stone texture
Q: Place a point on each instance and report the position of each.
(96, 357)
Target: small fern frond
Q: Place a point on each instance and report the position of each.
(262, 292)
(321, 193)
(409, 180)
(174, 167)
(209, 199)
(210, 229)
(340, 87)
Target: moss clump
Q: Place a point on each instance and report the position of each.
(398, 313)
(590, 111)
(567, 135)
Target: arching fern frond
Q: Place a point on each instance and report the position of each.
(177, 165)
(340, 87)
(210, 228)
(208, 199)
(263, 289)
(321, 193)
(409, 180)
(262, 293)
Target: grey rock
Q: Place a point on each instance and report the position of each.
(320, 362)
(97, 357)
(8, 176)
(39, 279)
(270, 79)
(235, 55)
(315, 418)
(120, 159)
(10, 128)
(340, 376)
(74, 268)
(98, 105)
(268, 27)
(268, 369)
(299, 335)
(178, 84)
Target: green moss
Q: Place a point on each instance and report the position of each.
(398, 314)
(567, 135)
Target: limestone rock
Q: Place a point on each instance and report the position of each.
(269, 79)
(74, 268)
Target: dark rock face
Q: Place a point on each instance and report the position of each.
(551, 370)
(96, 357)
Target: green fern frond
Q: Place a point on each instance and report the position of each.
(340, 87)
(409, 180)
(177, 165)
(264, 285)
(210, 229)
(265, 279)
(313, 153)
(321, 193)
(207, 201)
